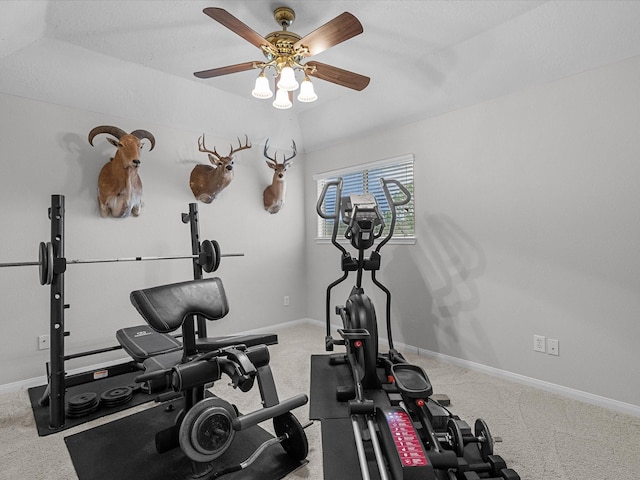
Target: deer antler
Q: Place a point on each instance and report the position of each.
(266, 153)
(204, 149)
(241, 147)
(274, 158)
(293, 154)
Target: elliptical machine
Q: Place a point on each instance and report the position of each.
(412, 435)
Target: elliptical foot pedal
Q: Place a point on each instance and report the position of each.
(411, 380)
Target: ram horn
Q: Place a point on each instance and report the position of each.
(114, 131)
(144, 134)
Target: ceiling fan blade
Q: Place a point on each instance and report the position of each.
(216, 72)
(341, 28)
(232, 23)
(339, 76)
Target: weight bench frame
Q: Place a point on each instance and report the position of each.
(203, 361)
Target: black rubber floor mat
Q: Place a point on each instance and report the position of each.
(125, 449)
(325, 378)
(42, 416)
(339, 453)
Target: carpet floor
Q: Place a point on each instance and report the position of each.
(545, 436)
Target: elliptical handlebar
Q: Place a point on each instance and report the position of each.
(336, 216)
(338, 184)
(393, 205)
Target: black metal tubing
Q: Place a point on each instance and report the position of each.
(197, 268)
(92, 352)
(57, 379)
(57, 306)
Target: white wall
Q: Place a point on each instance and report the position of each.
(45, 152)
(528, 222)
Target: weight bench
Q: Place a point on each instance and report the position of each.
(206, 425)
(154, 349)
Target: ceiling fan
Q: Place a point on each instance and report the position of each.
(285, 52)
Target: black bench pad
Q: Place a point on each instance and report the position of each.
(166, 307)
(141, 342)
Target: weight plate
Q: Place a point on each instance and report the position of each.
(207, 258)
(216, 248)
(45, 263)
(454, 431)
(206, 431)
(83, 399)
(295, 443)
(83, 413)
(82, 404)
(116, 396)
(49, 263)
(486, 440)
(42, 267)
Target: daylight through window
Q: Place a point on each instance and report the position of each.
(366, 179)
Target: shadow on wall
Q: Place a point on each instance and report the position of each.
(455, 261)
(441, 294)
(87, 160)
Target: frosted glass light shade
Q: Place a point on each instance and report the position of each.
(282, 99)
(307, 93)
(262, 89)
(288, 79)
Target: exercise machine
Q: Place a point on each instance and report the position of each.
(52, 262)
(412, 435)
(206, 425)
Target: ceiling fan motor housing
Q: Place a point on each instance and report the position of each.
(284, 16)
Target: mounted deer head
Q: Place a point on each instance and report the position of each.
(273, 195)
(206, 181)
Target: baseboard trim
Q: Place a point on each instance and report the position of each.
(586, 397)
(590, 398)
(37, 381)
(42, 380)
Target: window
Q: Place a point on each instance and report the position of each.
(366, 179)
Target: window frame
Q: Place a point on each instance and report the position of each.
(364, 168)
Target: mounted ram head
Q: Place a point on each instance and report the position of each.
(119, 186)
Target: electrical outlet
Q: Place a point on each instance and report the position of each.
(539, 343)
(286, 300)
(43, 342)
(553, 346)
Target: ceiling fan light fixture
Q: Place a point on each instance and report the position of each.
(262, 89)
(285, 51)
(288, 80)
(307, 93)
(282, 100)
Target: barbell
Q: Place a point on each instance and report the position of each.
(208, 259)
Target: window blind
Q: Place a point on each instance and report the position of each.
(366, 179)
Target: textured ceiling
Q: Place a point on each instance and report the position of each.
(135, 59)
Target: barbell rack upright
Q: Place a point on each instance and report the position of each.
(56, 331)
(53, 265)
(194, 226)
(189, 327)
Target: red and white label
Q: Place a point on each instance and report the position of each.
(406, 439)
